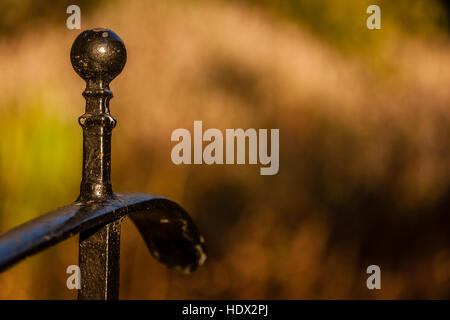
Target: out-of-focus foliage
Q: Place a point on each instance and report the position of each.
(364, 155)
(341, 22)
(18, 16)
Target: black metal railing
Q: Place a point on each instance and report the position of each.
(98, 56)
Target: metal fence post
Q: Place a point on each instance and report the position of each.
(98, 56)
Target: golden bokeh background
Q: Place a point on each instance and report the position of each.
(364, 125)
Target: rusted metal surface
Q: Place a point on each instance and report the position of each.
(98, 56)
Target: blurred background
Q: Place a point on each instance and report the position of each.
(364, 125)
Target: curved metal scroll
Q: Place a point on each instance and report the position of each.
(168, 231)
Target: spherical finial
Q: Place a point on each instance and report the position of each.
(98, 54)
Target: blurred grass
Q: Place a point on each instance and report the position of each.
(39, 158)
(19, 16)
(36, 151)
(342, 22)
(364, 156)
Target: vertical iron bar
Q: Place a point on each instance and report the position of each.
(97, 126)
(99, 263)
(99, 249)
(98, 56)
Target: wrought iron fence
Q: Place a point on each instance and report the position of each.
(98, 56)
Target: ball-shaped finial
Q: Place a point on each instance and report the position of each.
(98, 54)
